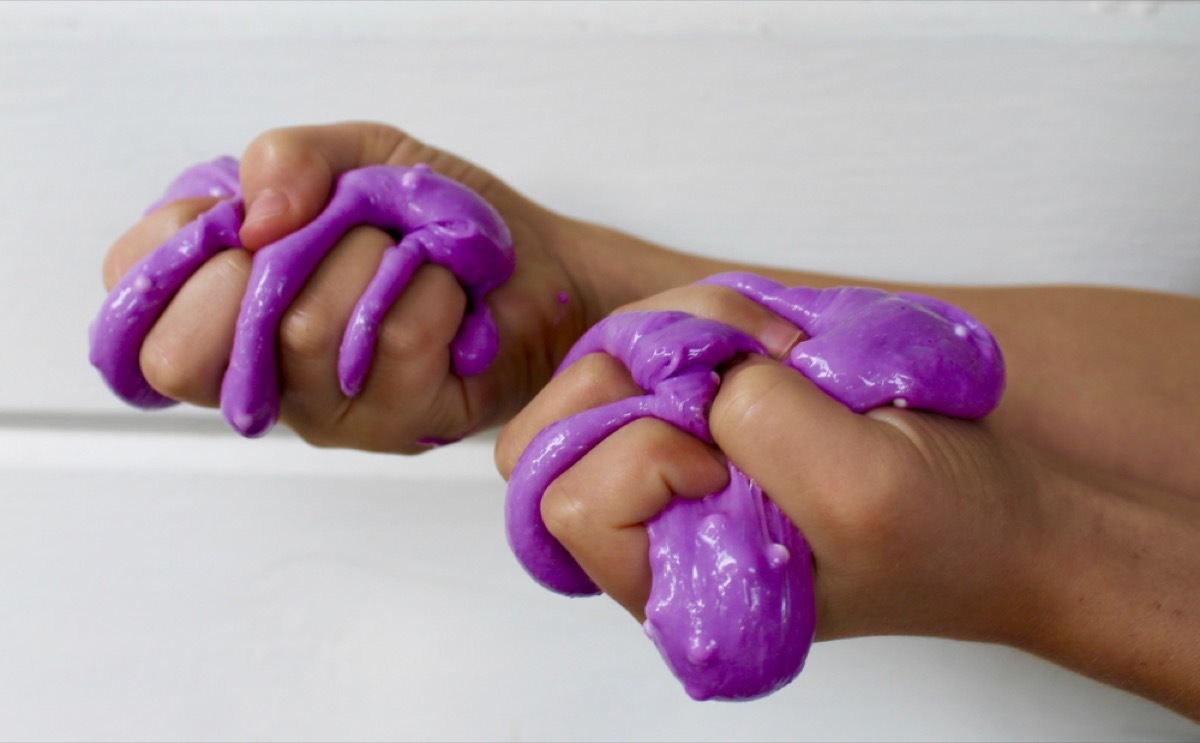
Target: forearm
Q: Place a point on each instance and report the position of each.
(1118, 587)
(615, 268)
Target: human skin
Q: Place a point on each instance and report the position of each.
(1067, 523)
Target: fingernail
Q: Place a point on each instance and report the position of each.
(268, 204)
(778, 337)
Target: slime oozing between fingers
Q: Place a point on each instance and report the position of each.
(437, 220)
(731, 603)
(731, 607)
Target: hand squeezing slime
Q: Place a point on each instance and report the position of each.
(731, 605)
(434, 219)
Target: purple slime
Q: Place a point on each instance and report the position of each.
(731, 608)
(434, 219)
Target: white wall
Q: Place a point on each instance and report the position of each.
(162, 579)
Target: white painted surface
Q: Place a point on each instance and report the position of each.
(234, 601)
(165, 580)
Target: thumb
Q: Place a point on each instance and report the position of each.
(287, 174)
(918, 524)
(807, 450)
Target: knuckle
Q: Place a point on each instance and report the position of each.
(169, 368)
(598, 378)
(651, 441)
(163, 371)
(508, 449)
(314, 422)
(591, 373)
(716, 301)
(269, 146)
(400, 148)
(308, 335)
(182, 355)
(320, 435)
(566, 511)
(176, 215)
(739, 407)
(117, 263)
(657, 454)
(315, 436)
(149, 233)
(410, 339)
(425, 319)
(327, 432)
(231, 266)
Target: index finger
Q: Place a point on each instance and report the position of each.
(148, 233)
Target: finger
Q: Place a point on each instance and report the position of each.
(310, 331)
(148, 233)
(185, 354)
(410, 398)
(287, 174)
(594, 380)
(597, 508)
(409, 363)
(725, 305)
(802, 446)
(836, 475)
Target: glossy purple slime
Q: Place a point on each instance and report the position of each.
(731, 607)
(434, 218)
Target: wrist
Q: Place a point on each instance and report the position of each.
(613, 269)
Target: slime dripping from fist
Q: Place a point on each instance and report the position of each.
(433, 218)
(731, 607)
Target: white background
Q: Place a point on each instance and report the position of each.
(162, 579)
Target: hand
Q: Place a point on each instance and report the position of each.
(883, 562)
(988, 530)
(411, 397)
